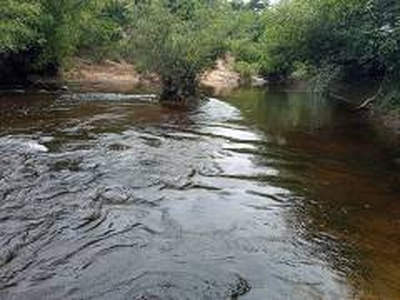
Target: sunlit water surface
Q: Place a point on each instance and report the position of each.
(265, 195)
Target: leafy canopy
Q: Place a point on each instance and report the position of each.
(178, 40)
(19, 24)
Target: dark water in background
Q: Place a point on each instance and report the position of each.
(266, 195)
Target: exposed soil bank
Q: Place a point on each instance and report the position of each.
(123, 77)
(222, 77)
(86, 70)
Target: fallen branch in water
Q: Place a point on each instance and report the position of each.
(366, 103)
(363, 105)
(370, 100)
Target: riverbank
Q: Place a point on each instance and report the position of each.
(362, 97)
(112, 76)
(122, 76)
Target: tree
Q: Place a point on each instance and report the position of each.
(18, 25)
(62, 22)
(19, 30)
(178, 40)
(38, 36)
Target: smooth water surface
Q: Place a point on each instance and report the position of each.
(264, 195)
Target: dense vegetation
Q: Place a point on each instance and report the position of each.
(326, 41)
(38, 37)
(177, 40)
(331, 42)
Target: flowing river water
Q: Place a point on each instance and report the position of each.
(261, 195)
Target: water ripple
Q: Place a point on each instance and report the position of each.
(115, 197)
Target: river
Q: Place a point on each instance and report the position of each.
(257, 195)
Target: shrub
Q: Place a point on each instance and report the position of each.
(177, 40)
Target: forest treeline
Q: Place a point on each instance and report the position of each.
(324, 41)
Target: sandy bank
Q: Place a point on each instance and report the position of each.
(122, 76)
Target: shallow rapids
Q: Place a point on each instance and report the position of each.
(105, 196)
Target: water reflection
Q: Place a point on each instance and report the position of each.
(281, 111)
(271, 195)
(346, 185)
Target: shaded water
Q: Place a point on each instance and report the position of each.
(267, 195)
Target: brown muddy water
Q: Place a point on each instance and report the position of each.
(262, 195)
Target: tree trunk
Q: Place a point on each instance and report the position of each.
(179, 89)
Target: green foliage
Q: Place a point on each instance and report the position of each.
(331, 40)
(102, 30)
(246, 28)
(40, 35)
(334, 40)
(18, 25)
(60, 29)
(177, 40)
(246, 70)
(361, 36)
